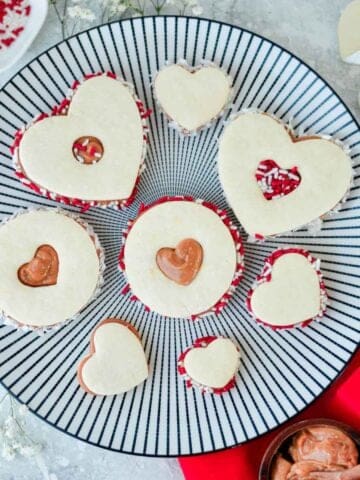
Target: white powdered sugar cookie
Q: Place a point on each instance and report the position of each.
(116, 362)
(349, 33)
(90, 150)
(210, 364)
(289, 291)
(182, 258)
(276, 182)
(192, 97)
(51, 266)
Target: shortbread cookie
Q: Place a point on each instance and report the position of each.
(116, 362)
(89, 151)
(182, 258)
(192, 97)
(51, 266)
(210, 364)
(289, 291)
(275, 182)
(349, 33)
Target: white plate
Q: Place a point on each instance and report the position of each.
(281, 372)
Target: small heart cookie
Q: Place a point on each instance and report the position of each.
(181, 264)
(90, 150)
(289, 291)
(116, 362)
(43, 268)
(197, 278)
(210, 364)
(309, 177)
(192, 97)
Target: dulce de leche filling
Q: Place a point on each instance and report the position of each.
(318, 452)
(181, 264)
(42, 270)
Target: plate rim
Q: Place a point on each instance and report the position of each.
(357, 124)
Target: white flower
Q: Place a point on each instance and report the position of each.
(23, 410)
(30, 450)
(81, 13)
(11, 429)
(116, 8)
(197, 10)
(8, 453)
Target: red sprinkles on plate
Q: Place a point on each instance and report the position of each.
(266, 275)
(13, 17)
(202, 342)
(276, 182)
(61, 109)
(227, 222)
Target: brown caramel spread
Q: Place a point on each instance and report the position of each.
(324, 444)
(320, 452)
(88, 150)
(181, 264)
(42, 270)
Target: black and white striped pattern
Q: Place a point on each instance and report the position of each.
(281, 372)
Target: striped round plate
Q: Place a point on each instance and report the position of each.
(281, 372)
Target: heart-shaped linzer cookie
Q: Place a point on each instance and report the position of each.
(42, 270)
(192, 97)
(289, 290)
(181, 264)
(276, 182)
(116, 362)
(210, 364)
(323, 166)
(91, 150)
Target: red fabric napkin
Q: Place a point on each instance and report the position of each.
(340, 402)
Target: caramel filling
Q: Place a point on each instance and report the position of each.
(181, 264)
(88, 150)
(42, 270)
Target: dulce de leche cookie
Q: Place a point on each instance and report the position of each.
(116, 362)
(182, 258)
(90, 149)
(192, 97)
(210, 364)
(276, 182)
(51, 266)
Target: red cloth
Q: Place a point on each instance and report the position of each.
(340, 402)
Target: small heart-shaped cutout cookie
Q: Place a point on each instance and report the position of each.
(42, 270)
(90, 149)
(116, 362)
(289, 290)
(181, 264)
(322, 175)
(210, 364)
(192, 97)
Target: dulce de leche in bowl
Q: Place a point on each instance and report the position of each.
(320, 449)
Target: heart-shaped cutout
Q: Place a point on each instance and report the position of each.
(181, 264)
(210, 364)
(90, 149)
(42, 270)
(323, 165)
(192, 97)
(276, 182)
(289, 290)
(116, 362)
